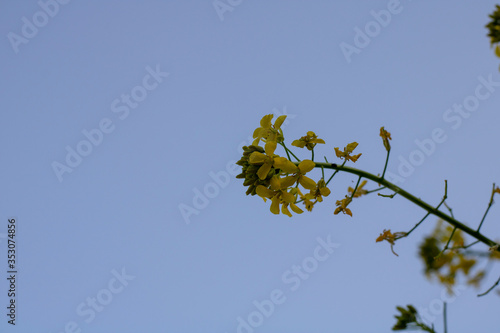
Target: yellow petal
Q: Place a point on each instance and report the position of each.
(338, 152)
(258, 133)
(311, 134)
(325, 191)
(306, 166)
(348, 212)
(272, 136)
(257, 158)
(264, 170)
(287, 197)
(264, 192)
(265, 122)
(296, 209)
(307, 183)
(299, 143)
(318, 141)
(284, 164)
(350, 147)
(275, 205)
(275, 183)
(288, 181)
(284, 210)
(279, 121)
(270, 147)
(354, 158)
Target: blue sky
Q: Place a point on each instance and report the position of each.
(116, 114)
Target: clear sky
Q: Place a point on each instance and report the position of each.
(116, 115)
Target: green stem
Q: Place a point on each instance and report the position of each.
(430, 209)
(445, 319)
(333, 173)
(356, 188)
(289, 151)
(491, 288)
(375, 190)
(386, 162)
(487, 209)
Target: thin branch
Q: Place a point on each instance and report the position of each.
(334, 172)
(491, 288)
(376, 190)
(487, 209)
(444, 319)
(465, 246)
(353, 192)
(416, 225)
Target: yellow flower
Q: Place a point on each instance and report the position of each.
(347, 151)
(279, 196)
(306, 199)
(320, 191)
(390, 237)
(386, 136)
(359, 191)
(299, 172)
(309, 141)
(266, 162)
(270, 134)
(342, 206)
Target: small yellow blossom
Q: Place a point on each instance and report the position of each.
(390, 237)
(266, 162)
(306, 199)
(309, 141)
(342, 206)
(347, 151)
(386, 136)
(279, 196)
(320, 191)
(299, 172)
(271, 134)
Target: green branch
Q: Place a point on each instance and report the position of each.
(430, 209)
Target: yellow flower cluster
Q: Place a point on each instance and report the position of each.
(446, 266)
(275, 177)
